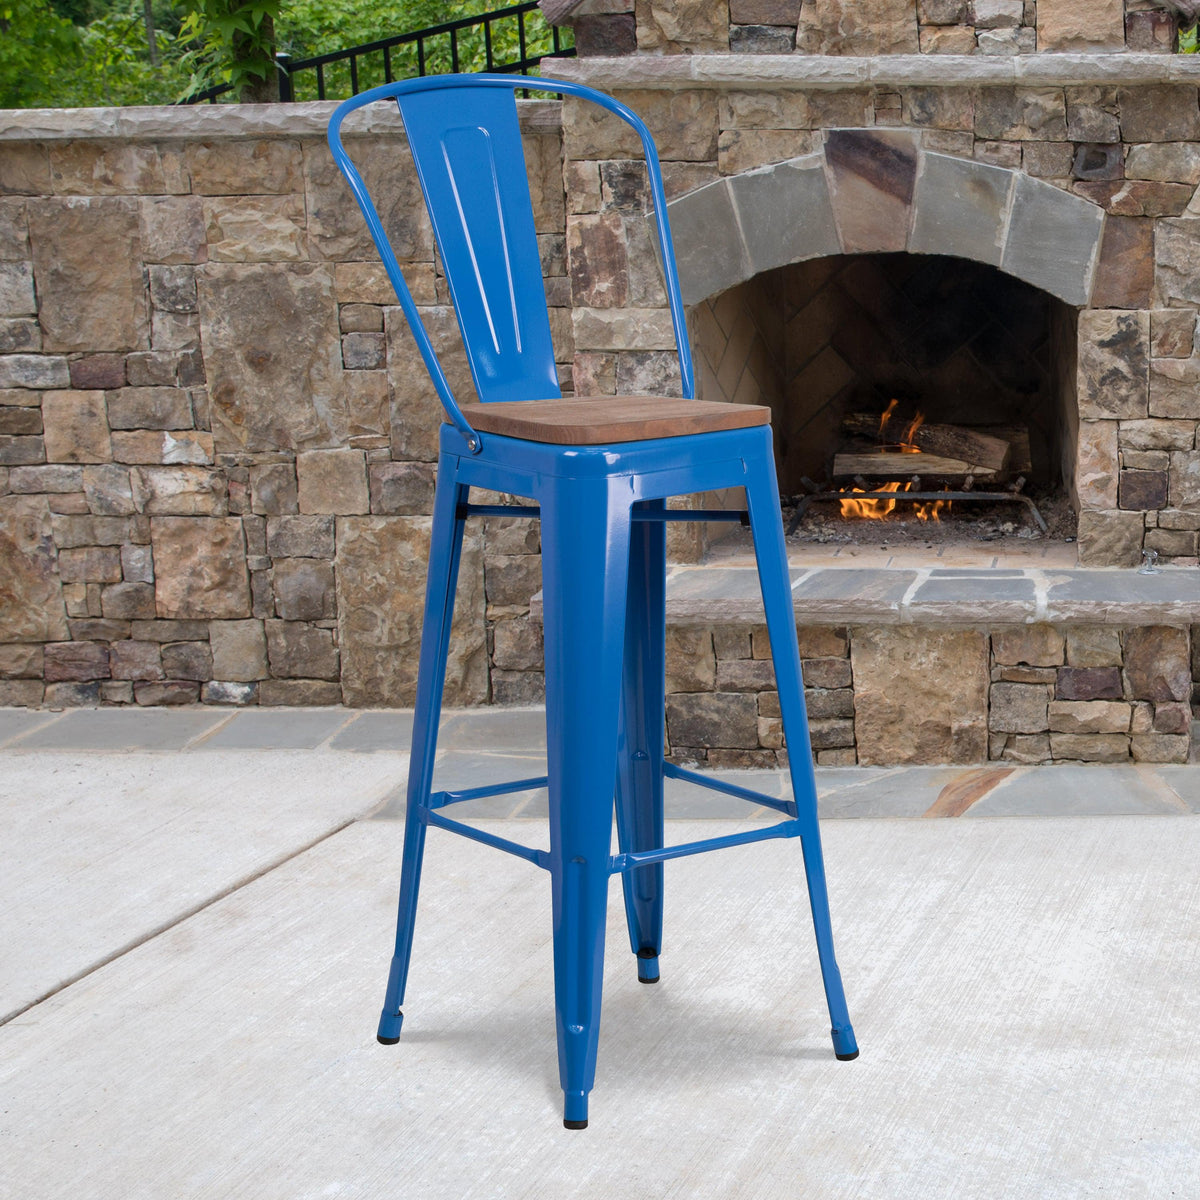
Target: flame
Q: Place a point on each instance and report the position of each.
(887, 416)
(907, 445)
(877, 509)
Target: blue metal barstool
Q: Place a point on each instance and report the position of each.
(599, 470)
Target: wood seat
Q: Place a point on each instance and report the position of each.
(598, 420)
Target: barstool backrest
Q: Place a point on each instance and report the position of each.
(465, 138)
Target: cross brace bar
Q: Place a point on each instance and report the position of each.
(639, 514)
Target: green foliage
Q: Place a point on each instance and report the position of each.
(33, 41)
(69, 53)
(233, 41)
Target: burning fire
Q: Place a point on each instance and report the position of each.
(877, 508)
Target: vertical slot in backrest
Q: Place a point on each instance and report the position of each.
(466, 144)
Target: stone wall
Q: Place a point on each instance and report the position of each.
(892, 694)
(216, 442)
(864, 27)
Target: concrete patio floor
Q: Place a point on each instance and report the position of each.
(195, 921)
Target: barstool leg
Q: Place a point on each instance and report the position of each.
(445, 551)
(585, 561)
(770, 550)
(640, 740)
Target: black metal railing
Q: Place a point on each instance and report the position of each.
(433, 51)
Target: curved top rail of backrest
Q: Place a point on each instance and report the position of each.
(468, 155)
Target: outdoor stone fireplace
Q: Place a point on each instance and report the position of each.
(217, 442)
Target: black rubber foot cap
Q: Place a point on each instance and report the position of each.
(386, 1041)
(654, 980)
(574, 1124)
(847, 1057)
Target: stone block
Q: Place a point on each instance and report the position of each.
(654, 373)
(135, 660)
(872, 179)
(238, 168)
(1090, 716)
(764, 12)
(1125, 272)
(76, 427)
(920, 695)
(1018, 707)
(518, 687)
(31, 598)
(597, 260)
(273, 488)
(682, 26)
(90, 564)
(16, 290)
(303, 589)
(25, 480)
(1089, 683)
(1162, 113)
(179, 491)
(1172, 332)
(1173, 384)
(1090, 747)
(1157, 434)
(691, 664)
(1160, 747)
(21, 662)
(332, 481)
(149, 408)
(75, 662)
(858, 27)
(512, 579)
(137, 564)
(1167, 162)
(25, 170)
(1158, 663)
(1052, 240)
(829, 705)
(1028, 645)
(21, 451)
(943, 12)
(785, 214)
(172, 229)
(174, 692)
(1081, 26)
(401, 489)
(1143, 490)
(273, 356)
(187, 660)
(699, 219)
(961, 209)
(239, 650)
(518, 645)
(608, 35)
(19, 335)
(128, 602)
(745, 675)
(363, 351)
(297, 650)
(948, 39)
(1021, 114)
(298, 692)
(1096, 464)
(1172, 718)
(368, 402)
(761, 39)
(1185, 479)
(380, 587)
(1093, 646)
(173, 288)
(300, 537)
(998, 14)
(245, 229)
(1149, 32)
(33, 371)
(827, 672)
(73, 695)
(97, 372)
(86, 167)
(1135, 197)
(337, 231)
(225, 692)
(712, 719)
(1177, 544)
(618, 329)
(200, 567)
(86, 261)
(1114, 364)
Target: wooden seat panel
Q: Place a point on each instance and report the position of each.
(598, 420)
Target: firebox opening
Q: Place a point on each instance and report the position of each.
(975, 370)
